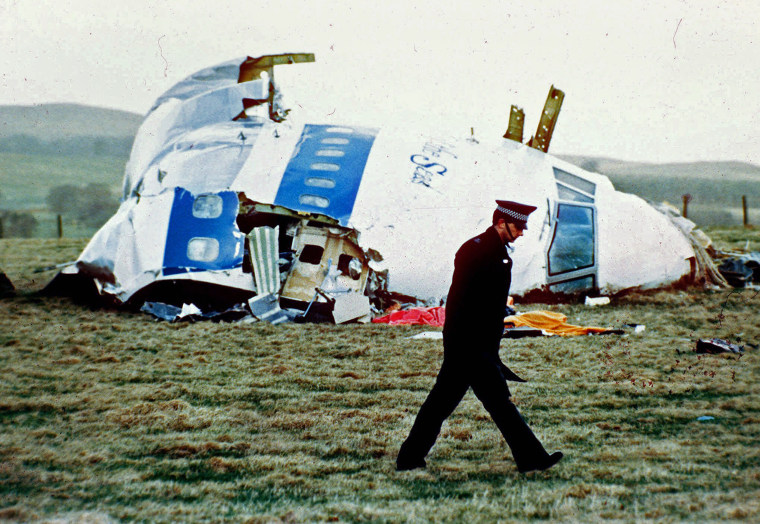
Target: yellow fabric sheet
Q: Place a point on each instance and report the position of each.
(550, 322)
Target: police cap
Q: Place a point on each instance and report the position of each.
(514, 212)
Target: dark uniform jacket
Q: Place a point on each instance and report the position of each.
(476, 304)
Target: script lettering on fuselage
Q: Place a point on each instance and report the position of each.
(430, 163)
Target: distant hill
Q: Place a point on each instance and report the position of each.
(59, 121)
(67, 129)
(704, 170)
(715, 188)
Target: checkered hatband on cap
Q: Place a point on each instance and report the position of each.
(513, 214)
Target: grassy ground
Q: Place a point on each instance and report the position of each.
(126, 418)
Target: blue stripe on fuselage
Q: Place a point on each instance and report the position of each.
(184, 226)
(325, 172)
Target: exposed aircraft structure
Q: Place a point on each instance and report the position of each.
(229, 197)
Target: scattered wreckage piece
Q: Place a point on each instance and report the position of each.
(6, 286)
(266, 308)
(716, 346)
(517, 325)
(310, 263)
(596, 301)
(552, 323)
(741, 270)
(191, 313)
(704, 269)
(429, 316)
(522, 332)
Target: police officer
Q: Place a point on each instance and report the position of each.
(475, 311)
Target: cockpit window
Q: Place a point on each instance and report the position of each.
(566, 193)
(574, 181)
(576, 285)
(574, 188)
(573, 244)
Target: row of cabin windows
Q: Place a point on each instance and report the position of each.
(323, 182)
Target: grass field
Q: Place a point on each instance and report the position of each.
(117, 416)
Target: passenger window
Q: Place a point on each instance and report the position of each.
(335, 141)
(573, 244)
(318, 181)
(324, 166)
(314, 200)
(203, 249)
(207, 206)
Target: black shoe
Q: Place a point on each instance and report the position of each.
(548, 462)
(406, 466)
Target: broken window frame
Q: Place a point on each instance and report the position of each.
(589, 272)
(300, 233)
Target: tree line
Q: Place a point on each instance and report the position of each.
(91, 205)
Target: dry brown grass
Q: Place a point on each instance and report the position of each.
(112, 415)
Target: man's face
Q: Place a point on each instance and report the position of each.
(508, 231)
(515, 231)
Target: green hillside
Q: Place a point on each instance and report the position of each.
(49, 146)
(27, 179)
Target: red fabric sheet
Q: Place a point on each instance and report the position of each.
(429, 316)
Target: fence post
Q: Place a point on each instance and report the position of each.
(744, 210)
(686, 199)
(60, 226)
(1, 227)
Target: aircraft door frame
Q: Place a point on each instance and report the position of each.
(570, 271)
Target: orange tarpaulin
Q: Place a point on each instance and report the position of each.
(550, 322)
(430, 316)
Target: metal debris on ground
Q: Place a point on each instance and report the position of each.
(267, 308)
(717, 345)
(6, 286)
(191, 313)
(741, 270)
(428, 335)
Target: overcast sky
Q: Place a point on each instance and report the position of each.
(646, 81)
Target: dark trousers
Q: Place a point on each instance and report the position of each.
(454, 379)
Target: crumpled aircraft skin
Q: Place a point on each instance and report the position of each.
(221, 137)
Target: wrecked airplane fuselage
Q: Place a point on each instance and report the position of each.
(229, 196)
